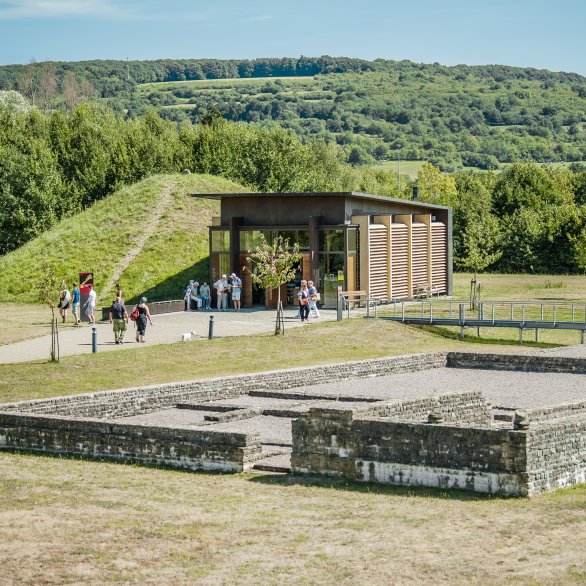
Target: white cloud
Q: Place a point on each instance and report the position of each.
(25, 9)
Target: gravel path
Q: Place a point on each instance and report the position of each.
(168, 328)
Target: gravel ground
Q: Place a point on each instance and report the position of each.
(502, 388)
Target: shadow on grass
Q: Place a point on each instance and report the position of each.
(316, 481)
(450, 335)
(172, 288)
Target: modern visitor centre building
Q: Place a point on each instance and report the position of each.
(387, 247)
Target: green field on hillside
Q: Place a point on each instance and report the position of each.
(110, 237)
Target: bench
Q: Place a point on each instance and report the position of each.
(425, 290)
(354, 297)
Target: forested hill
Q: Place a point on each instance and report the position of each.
(461, 116)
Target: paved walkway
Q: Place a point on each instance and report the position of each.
(168, 328)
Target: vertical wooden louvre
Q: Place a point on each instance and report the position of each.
(399, 260)
(378, 269)
(439, 267)
(419, 277)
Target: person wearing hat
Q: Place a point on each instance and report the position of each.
(222, 287)
(141, 321)
(236, 285)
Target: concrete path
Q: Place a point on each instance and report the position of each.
(167, 329)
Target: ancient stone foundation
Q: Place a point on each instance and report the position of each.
(445, 440)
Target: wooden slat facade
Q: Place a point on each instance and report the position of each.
(419, 251)
(399, 261)
(378, 261)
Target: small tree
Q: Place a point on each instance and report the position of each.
(274, 265)
(48, 290)
(480, 241)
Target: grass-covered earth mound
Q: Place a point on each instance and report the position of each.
(151, 237)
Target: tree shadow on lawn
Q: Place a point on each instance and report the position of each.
(172, 287)
(442, 332)
(316, 481)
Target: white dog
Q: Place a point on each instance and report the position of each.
(188, 336)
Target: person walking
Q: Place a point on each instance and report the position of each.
(303, 296)
(222, 287)
(75, 298)
(141, 321)
(90, 305)
(236, 286)
(313, 299)
(205, 295)
(64, 301)
(119, 319)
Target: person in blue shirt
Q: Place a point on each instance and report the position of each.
(75, 299)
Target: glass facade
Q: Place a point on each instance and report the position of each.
(337, 255)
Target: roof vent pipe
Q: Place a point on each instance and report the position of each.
(415, 193)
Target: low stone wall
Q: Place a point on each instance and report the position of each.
(392, 443)
(86, 424)
(178, 447)
(139, 400)
(463, 407)
(556, 453)
(156, 308)
(511, 362)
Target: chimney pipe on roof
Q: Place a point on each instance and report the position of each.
(415, 193)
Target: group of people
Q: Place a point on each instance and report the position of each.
(197, 297)
(119, 318)
(308, 297)
(71, 299)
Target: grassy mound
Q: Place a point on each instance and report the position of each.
(108, 236)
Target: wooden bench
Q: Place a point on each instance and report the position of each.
(354, 297)
(425, 290)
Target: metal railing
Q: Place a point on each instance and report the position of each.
(524, 315)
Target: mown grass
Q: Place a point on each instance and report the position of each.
(100, 237)
(103, 523)
(322, 343)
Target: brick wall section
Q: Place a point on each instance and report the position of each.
(135, 401)
(463, 407)
(510, 362)
(179, 447)
(556, 453)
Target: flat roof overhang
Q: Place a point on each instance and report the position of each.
(332, 194)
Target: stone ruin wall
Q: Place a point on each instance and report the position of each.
(394, 444)
(86, 425)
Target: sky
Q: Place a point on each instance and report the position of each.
(526, 33)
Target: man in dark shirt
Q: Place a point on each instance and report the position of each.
(118, 317)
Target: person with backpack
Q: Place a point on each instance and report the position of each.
(119, 319)
(140, 315)
(64, 301)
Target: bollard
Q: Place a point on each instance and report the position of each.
(211, 330)
(340, 308)
(94, 339)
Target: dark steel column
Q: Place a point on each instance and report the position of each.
(314, 222)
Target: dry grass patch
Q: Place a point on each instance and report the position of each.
(21, 321)
(105, 523)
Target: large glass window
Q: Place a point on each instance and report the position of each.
(249, 240)
(331, 240)
(301, 237)
(220, 241)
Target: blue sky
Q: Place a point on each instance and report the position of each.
(530, 33)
